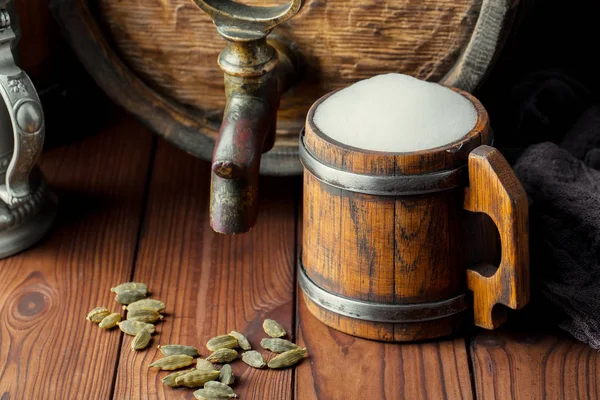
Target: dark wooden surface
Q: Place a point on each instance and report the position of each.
(133, 206)
(533, 364)
(47, 350)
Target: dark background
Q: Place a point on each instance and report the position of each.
(548, 74)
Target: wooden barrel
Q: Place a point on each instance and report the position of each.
(158, 58)
(389, 252)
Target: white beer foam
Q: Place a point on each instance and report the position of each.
(395, 113)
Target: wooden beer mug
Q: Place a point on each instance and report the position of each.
(389, 252)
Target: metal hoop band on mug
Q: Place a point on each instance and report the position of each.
(378, 312)
(381, 185)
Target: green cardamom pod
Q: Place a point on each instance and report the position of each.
(170, 363)
(220, 390)
(169, 380)
(196, 378)
(173, 349)
(132, 328)
(212, 393)
(147, 304)
(288, 358)
(110, 321)
(223, 356)
(129, 296)
(226, 375)
(273, 329)
(98, 314)
(277, 345)
(222, 342)
(140, 287)
(204, 365)
(141, 340)
(254, 359)
(242, 341)
(148, 316)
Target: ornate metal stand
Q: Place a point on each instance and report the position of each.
(27, 207)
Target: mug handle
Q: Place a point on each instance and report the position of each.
(495, 190)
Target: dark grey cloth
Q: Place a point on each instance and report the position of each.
(563, 186)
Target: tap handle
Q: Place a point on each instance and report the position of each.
(25, 112)
(240, 22)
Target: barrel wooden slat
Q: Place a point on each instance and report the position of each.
(367, 227)
(322, 207)
(343, 41)
(428, 247)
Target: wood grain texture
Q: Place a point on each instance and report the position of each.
(211, 283)
(344, 367)
(495, 190)
(525, 363)
(47, 348)
(342, 41)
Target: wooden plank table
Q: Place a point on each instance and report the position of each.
(134, 207)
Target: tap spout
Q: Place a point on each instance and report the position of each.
(254, 80)
(256, 74)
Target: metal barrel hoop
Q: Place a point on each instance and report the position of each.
(379, 312)
(381, 185)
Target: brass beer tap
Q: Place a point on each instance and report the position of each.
(257, 72)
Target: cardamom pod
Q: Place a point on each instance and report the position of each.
(226, 375)
(172, 349)
(169, 380)
(196, 378)
(97, 314)
(212, 394)
(204, 365)
(222, 342)
(277, 345)
(273, 329)
(254, 359)
(141, 340)
(147, 304)
(140, 287)
(288, 358)
(132, 328)
(129, 296)
(219, 390)
(170, 363)
(110, 321)
(242, 341)
(144, 316)
(223, 356)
